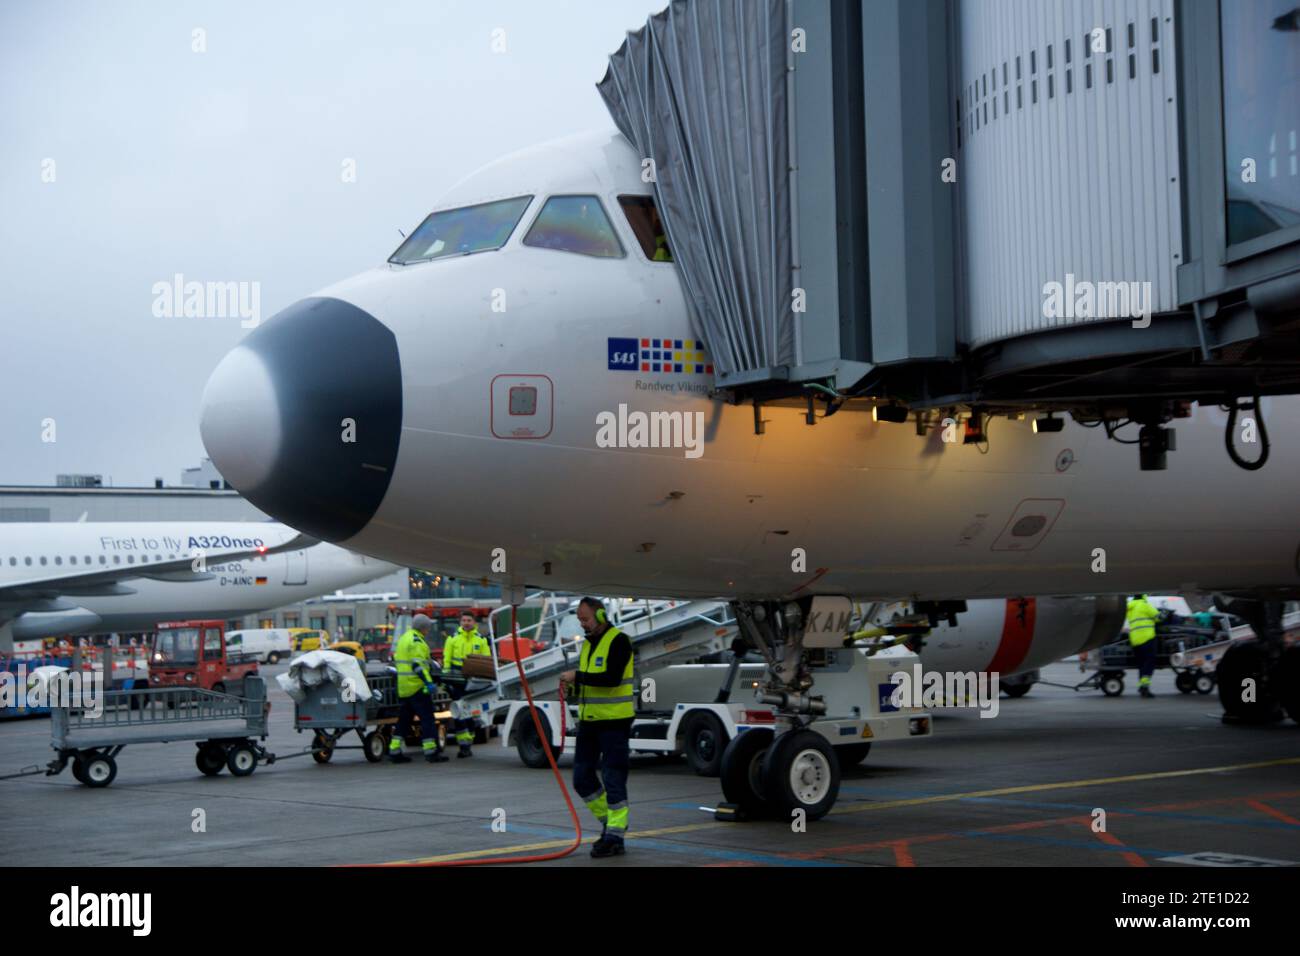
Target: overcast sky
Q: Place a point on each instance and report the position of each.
(226, 165)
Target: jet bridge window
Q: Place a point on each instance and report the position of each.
(646, 225)
(575, 224)
(461, 232)
(1261, 117)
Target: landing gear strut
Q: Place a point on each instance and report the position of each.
(790, 769)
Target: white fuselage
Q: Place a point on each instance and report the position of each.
(224, 589)
(879, 511)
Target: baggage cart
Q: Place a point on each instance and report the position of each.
(225, 729)
(330, 713)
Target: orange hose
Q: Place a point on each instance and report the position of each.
(546, 743)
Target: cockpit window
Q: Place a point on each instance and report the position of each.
(644, 219)
(575, 224)
(460, 232)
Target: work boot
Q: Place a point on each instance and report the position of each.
(465, 751)
(435, 756)
(398, 757)
(607, 846)
(1145, 691)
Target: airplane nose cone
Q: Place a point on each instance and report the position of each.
(305, 415)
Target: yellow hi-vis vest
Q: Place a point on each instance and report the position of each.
(604, 703)
(459, 646)
(412, 659)
(1141, 617)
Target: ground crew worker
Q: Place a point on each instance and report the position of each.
(414, 689)
(662, 252)
(1142, 616)
(460, 645)
(603, 683)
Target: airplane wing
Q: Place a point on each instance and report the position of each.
(74, 582)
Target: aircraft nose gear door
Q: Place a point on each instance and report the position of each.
(295, 567)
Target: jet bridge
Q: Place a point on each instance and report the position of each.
(975, 207)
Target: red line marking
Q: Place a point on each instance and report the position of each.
(1265, 808)
(901, 846)
(1133, 859)
(903, 854)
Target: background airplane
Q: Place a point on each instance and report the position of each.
(76, 578)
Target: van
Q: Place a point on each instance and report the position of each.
(266, 644)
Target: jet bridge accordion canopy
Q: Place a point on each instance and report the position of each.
(701, 91)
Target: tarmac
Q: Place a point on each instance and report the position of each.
(1058, 778)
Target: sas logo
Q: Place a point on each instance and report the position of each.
(664, 356)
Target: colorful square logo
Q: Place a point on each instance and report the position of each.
(670, 356)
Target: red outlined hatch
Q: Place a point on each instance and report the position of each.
(522, 406)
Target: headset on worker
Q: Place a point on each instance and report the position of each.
(598, 607)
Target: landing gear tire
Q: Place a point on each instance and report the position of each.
(529, 745)
(705, 740)
(210, 759)
(801, 772)
(1204, 683)
(1185, 682)
(1244, 661)
(742, 771)
(374, 746)
(99, 769)
(852, 754)
(242, 760)
(1016, 690)
(1289, 681)
(1112, 686)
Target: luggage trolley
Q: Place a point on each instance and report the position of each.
(1196, 660)
(225, 729)
(326, 712)
(1180, 646)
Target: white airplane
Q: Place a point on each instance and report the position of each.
(78, 578)
(526, 326)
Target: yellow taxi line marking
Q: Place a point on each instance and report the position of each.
(1062, 785)
(860, 808)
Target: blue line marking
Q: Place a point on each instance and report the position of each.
(1162, 814)
(730, 856)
